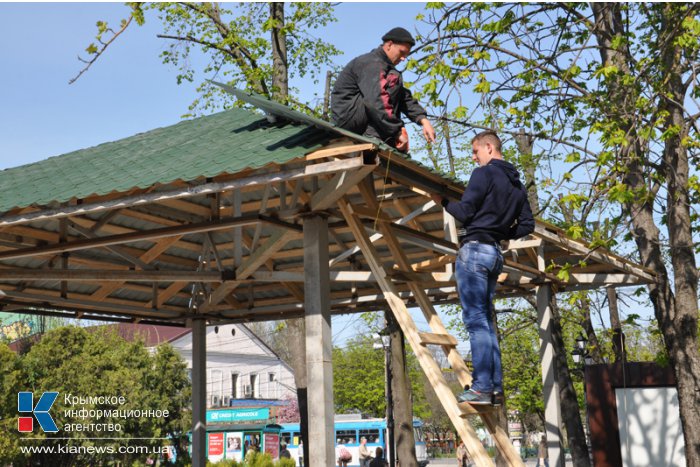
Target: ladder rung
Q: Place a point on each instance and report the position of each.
(469, 409)
(410, 276)
(427, 338)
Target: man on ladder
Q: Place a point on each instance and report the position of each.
(494, 207)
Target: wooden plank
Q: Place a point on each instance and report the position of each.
(165, 295)
(338, 186)
(433, 263)
(339, 150)
(136, 236)
(404, 210)
(417, 212)
(99, 275)
(271, 246)
(523, 243)
(602, 255)
(103, 306)
(427, 338)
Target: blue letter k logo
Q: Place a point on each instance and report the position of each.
(25, 403)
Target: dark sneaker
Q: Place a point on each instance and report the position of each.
(497, 398)
(475, 397)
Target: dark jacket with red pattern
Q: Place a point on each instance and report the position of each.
(369, 98)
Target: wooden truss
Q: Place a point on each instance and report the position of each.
(230, 249)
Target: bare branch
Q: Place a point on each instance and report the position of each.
(101, 51)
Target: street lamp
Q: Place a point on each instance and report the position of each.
(582, 359)
(383, 341)
(580, 353)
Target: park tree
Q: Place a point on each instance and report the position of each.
(79, 363)
(10, 385)
(359, 379)
(259, 46)
(609, 91)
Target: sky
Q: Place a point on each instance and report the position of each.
(128, 90)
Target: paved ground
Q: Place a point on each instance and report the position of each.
(451, 462)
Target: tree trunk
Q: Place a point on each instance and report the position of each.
(675, 304)
(618, 337)
(567, 394)
(682, 338)
(403, 402)
(280, 76)
(525, 144)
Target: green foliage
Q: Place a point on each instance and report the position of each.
(233, 40)
(359, 379)
(75, 362)
(522, 380)
(10, 385)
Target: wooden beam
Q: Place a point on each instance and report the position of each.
(417, 212)
(427, 338)
(338, 186)
(339, 150)
(264, 176)
(271, 246)
(424, 240)
(98, 275)
(138, 236)
(101, 306)
(433, 263)
(601, 255)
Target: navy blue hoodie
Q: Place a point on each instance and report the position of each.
(494, 206)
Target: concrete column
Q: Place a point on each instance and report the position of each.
(550, 384)
(319, 348)
(199, 392)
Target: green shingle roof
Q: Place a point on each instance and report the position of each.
(226, 142)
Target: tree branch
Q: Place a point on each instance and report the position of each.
(101, 51)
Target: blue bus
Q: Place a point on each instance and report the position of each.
(349, 431)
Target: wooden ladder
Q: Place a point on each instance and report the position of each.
(458, 412)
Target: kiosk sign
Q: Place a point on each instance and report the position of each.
(237, 415)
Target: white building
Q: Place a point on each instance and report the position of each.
(240, 367)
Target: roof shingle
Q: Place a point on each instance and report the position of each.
(226, 142)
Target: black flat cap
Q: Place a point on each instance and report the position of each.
(399, 35)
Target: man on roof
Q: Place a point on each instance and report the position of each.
(369, 97)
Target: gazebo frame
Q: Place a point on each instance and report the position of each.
(338, 224)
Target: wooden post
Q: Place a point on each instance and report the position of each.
(321, 446)
(550, 385)
(199, 392)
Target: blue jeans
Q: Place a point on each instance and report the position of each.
(477, 269)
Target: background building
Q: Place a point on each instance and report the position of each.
(240, 367)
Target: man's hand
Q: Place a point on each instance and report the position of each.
(437, 199)
(428, 130)
(402, 141)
